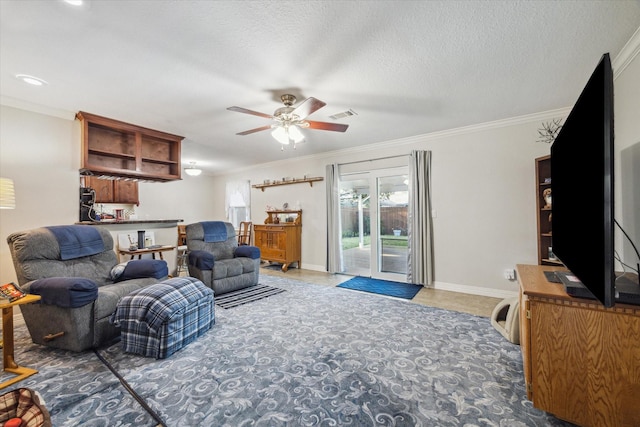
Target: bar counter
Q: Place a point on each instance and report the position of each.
(132, 221)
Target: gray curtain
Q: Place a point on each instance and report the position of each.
(420, 233)
(334, 257)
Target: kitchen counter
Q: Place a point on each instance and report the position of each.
(132, 221)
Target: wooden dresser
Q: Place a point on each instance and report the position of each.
(581, 360)
(280, 237)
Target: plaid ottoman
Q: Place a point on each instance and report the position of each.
(158, 320)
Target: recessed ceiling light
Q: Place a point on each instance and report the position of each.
(74, 2)
(31, 80)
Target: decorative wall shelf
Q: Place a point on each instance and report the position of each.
(289, 182)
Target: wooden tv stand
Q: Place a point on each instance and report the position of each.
(581, 360)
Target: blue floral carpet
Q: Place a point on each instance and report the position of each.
(311, 356)
(382, 287)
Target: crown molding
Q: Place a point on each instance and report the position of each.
(627, 54)
(528, 118)
(36, 108)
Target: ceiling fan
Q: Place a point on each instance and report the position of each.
(288, 120)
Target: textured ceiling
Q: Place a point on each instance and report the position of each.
(405, 67)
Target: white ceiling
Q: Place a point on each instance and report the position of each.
(405, 67)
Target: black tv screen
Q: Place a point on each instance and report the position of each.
(582, 187)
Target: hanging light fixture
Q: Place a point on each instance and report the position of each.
(7, 194)
(192, 170)
(285, 135)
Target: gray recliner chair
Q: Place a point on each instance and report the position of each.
(216, 259)
(80, 280)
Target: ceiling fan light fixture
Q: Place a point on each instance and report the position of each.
(295, 134)
(289, 120)
(281, 135)
(192, 170)
(285, 135)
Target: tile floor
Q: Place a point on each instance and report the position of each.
(466, 303)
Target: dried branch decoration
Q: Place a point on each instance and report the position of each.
(549, 131)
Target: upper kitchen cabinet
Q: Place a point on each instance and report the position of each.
(113, 191)
(112, 148)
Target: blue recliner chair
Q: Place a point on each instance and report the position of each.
(216, 259)
(80, 280)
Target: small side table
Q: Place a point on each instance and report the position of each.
(8, 362)
(152, 251)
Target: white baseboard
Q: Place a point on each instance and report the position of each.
(452, 287)
(314, 267)
(475, 290)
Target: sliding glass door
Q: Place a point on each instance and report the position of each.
(355, 219)
(373, 217)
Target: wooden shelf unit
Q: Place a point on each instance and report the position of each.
(543, 216)
(280, 241)
(112, 148)
(580, 359)
(293, 181)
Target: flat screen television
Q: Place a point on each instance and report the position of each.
(582, 187)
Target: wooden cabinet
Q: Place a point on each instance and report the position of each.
(544, 219)
(116, 149)
(581, 360)
(280, 238)
(113, 191)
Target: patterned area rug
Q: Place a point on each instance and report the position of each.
(382, 287)
(311, 356)
(246, 295)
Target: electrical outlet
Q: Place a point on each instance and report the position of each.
(510, 274)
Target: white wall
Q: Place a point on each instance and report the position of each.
(626, 89)
(483, 188)
(483, 192)
(41, 153)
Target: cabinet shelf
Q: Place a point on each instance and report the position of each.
(274, 217)
(159, 161)
(111, 148)
(111, 154)
(544, 220)
(294, 181)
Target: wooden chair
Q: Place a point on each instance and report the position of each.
(182, 235)
(244, 233)
(181, 263)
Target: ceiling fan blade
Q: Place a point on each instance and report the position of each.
(247, 132)
(336, 127)
(309, 106)
(255, 113)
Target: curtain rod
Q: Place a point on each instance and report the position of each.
(373, 160)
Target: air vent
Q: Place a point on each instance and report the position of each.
(344, 114)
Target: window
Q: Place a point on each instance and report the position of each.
(238, 202)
